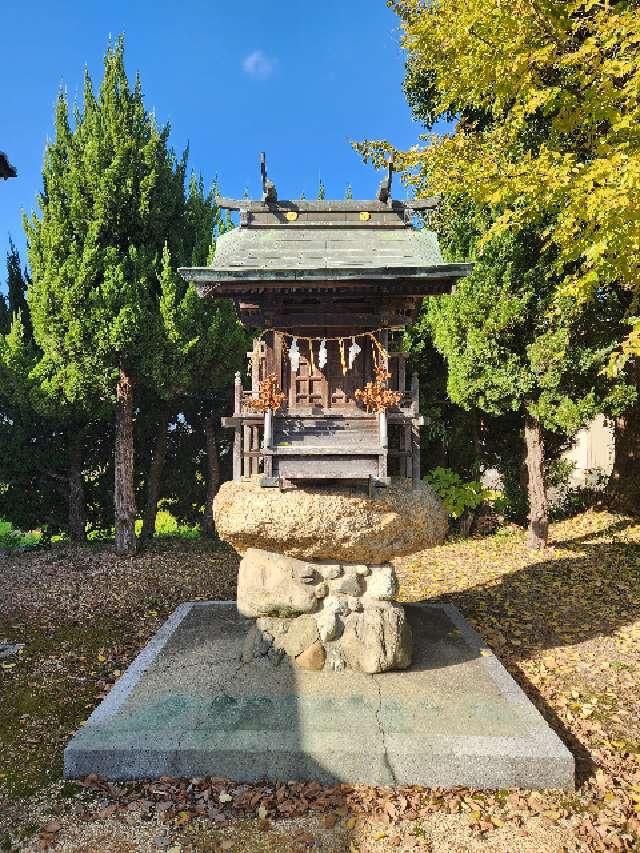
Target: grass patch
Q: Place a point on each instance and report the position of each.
(48, 691)
(12, 538)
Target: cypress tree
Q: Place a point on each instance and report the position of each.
(508, 352)
(203, 345)
(5, 316)
(113, 193)
(17, 282)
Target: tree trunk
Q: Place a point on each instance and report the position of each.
(538, 503)
(213, 476)
(77, 508)
(155, 476)
(125, 498)
(623, 489)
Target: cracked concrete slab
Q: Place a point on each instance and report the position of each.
(189, 706)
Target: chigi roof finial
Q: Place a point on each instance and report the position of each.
(384, 190)
(6, 169)
(269, 193)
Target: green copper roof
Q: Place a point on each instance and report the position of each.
(325, 241)
(297, 248)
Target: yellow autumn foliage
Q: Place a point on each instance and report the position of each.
(547, 97)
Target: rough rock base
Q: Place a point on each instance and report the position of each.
(322, 614)
(325, 523)
(188, 706)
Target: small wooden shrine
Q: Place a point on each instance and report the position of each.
(330, 284)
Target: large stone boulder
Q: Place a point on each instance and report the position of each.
(377, 639)
(339, 523)
(274, 585)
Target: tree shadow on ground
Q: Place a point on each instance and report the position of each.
(616, 527)
(591, 594)
(561, 601)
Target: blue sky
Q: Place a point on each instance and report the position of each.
(296, 78)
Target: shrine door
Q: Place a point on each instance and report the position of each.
(329, 388)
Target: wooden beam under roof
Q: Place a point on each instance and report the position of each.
(428, 287)
(326, 319)
(319, 206)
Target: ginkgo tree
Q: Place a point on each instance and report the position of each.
(547, 97)
(544, 98)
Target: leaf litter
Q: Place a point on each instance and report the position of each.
(565, 622)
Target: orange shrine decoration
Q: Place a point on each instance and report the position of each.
(375, 396)
(270, 396)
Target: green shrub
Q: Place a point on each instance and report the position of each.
(456, 495)
(167, 525)
(574, 499)
(11, 537)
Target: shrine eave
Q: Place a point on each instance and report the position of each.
(407, 280)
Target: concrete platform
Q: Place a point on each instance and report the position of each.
(188, 706)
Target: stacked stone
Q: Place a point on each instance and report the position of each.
(315, 572)
(322, 613)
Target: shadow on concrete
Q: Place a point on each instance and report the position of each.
(189, 706)
(437, 643)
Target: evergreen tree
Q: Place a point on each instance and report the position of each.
(508, 351)
(41, 438)
(113, 193)
(5, 315)
(17, 283)
(41, 445)
(204, 343)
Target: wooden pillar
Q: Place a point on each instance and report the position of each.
(255, 367)
(247, 446)
(237, 454)
(415, 429)
(383, 432)
(293, 387)
(384, 443)
(406, 446)
(254, 461)
(237, 395)
(268, 440)
(415, 452)
(384, 340)
(415, 395)
(277, 357)
(402, 381)
(268, 424)
(268, 353)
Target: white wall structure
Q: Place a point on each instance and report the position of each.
(592, 451)
(591, 455)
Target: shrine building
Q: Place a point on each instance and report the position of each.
(329, 287)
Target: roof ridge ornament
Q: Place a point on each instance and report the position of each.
(7, 170)
(269, 192)
(384, 190)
